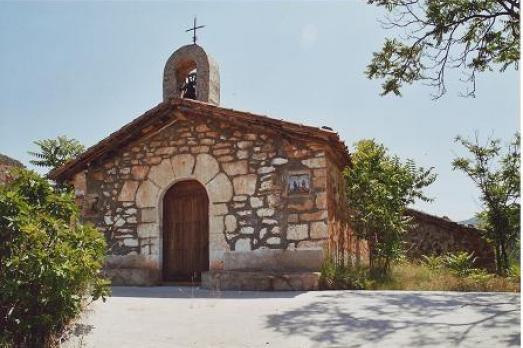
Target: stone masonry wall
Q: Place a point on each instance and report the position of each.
(436, 236)
(245, 175)
(343, 244)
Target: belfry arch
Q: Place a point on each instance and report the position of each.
(182, 62)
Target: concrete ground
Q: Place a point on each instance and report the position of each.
(172, 316)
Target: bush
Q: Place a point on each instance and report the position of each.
(49, 263)
(335, 276)
(480, 276)
(460, 263)
(515, 272)
(432, 262)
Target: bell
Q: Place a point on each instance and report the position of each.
(189, 88)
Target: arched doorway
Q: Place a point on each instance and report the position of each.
(185, 232)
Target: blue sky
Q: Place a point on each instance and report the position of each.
(86, 69)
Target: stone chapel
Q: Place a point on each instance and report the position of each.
(192, 191)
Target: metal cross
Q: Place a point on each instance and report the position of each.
(194, 28)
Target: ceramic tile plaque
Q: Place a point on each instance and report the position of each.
(298, 184)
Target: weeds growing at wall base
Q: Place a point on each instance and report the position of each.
(417, 276)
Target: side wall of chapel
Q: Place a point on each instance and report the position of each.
(344, 247)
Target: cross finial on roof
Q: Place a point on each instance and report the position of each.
(194, 28)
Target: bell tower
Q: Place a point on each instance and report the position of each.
(191, 73)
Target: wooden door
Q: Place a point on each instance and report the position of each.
(185, 232)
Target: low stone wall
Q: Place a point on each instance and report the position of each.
(434, 235)
(267, 270)
(132, 270)
(261, 281)
(274, 260)
(266, 264)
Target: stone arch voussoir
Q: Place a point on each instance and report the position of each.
(203, 168)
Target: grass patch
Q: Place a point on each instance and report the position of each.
(412, 276)
(417, 276)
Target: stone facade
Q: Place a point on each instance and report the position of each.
(434, 235)
(275, 188)
(245, 175)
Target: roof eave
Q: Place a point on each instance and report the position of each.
(138, 125)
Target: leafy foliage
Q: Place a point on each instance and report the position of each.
(460, 263)
(499, 184)
(479, 276)
(49, 263)
(55, 152)
(436, 35)
(515, 272)
(379, 188)
(433, 262)
(337, 276)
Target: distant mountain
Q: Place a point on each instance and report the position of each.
(472, 221)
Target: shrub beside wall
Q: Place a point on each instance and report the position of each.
(49, 263)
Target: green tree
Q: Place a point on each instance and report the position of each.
(496, 173)
(437, 35)
(379, 189)
(49, 263)
(55, 152)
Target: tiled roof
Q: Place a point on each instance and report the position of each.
(162, 116)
